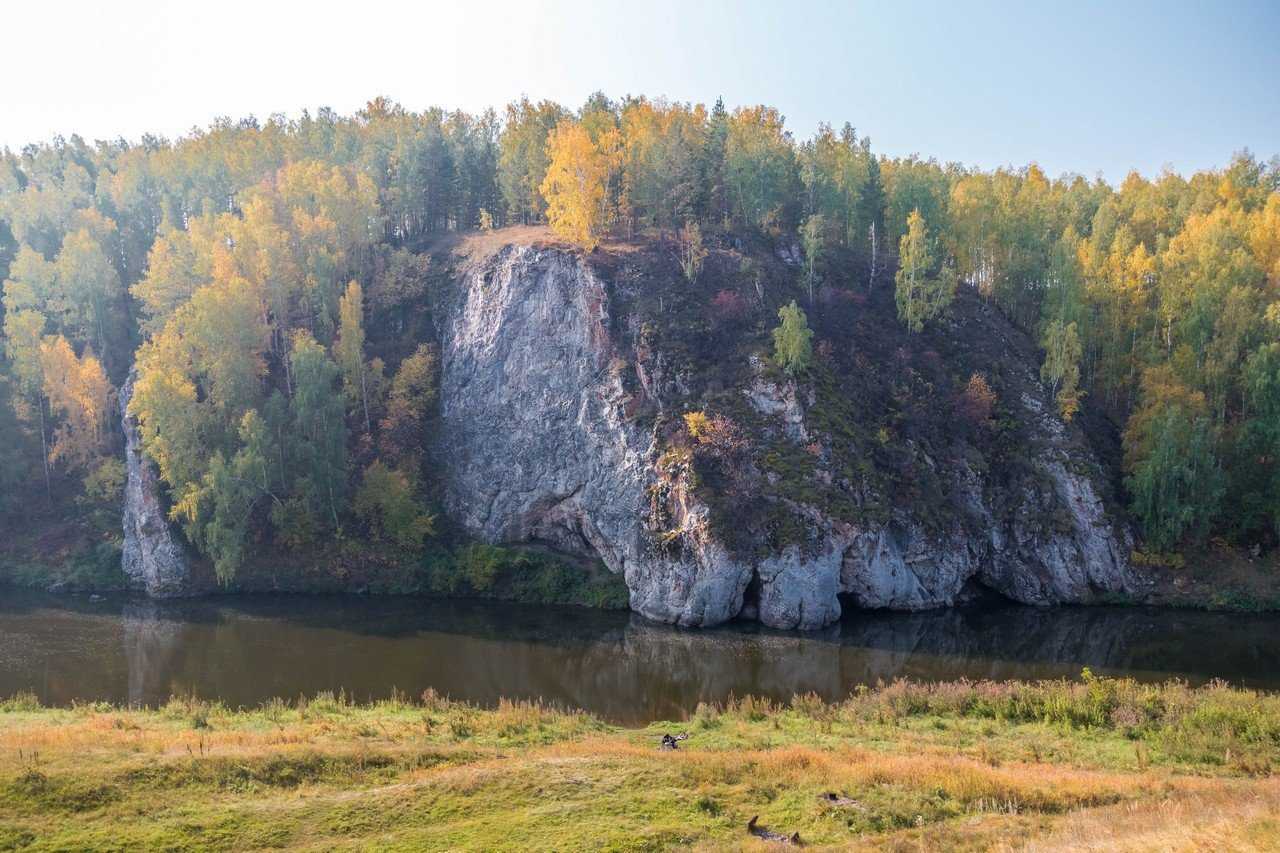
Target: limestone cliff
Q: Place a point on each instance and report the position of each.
(557, 415)
(153, 559)
(563, 382)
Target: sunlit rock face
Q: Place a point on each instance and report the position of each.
(154, 559)
(539, 444)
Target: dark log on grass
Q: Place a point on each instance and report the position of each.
(834, 799)
(769, 835)
(669, 742)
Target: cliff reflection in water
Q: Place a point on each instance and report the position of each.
(245, 650)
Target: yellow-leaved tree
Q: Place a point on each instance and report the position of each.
(575, 186)
(79, 392)
(1061, 367)
(920, 298)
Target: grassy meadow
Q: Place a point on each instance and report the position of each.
(1090, 764)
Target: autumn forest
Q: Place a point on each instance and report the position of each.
(223, 283)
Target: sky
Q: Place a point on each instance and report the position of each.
(1091, 88)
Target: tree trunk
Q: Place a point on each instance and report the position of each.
(44, 454)
(364, 395)
(871, 283)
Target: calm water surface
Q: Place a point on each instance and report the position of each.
(244, 650)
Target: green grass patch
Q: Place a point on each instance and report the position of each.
(955, 765)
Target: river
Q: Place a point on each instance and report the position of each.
(244, 650)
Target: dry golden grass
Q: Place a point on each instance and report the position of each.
(908, 768)
(1188, 817)
(476, 246)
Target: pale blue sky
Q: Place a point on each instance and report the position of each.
(1082, 87)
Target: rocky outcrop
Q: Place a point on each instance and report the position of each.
(153, 558)
(540, 444)
(537, 441)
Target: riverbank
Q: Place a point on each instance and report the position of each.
(1212, 578)
(1050, 765)
(82, 555)
(460, 568)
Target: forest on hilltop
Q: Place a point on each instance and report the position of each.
(258, 277)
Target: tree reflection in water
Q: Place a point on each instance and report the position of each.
(247, 649)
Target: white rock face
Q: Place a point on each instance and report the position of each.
(153, 559)
(768, 398)
(539, 447)
(537, 443)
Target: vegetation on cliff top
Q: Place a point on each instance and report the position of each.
(271, 282)
(1053, 765)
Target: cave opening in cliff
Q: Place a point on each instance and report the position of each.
(751, 598)
(973, 593)
(976, 592)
